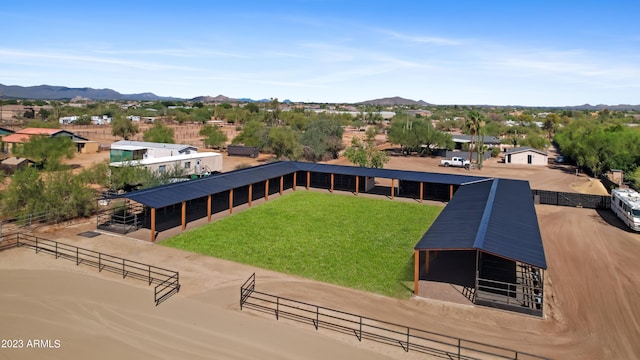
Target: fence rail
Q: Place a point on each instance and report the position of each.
(407, 338)
(168, 281)
(26, 222)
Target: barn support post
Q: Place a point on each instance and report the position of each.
(450, 191)
(393, 190)
(308, 179)
(477, 273)
(281, 184)
(426, 262)
(250, 194)
(421, 190)
(357, 184)
(209, 207)
(332, 181)
(295, 179)
(153, 224)
(266, 190)
(184, 215)
(416, 271)
(230, 201)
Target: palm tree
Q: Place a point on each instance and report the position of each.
(473, 123)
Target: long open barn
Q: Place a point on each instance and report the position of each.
(486, 242)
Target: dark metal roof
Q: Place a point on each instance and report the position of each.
(434, 178)
(495, 216)
(176, 193)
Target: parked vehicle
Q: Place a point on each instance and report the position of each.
(456, 161)
(625, 203)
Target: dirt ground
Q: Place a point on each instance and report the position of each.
(591, 291)
(591, 312)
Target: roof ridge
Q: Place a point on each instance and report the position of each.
(478, 242)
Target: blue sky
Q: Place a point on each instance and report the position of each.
(532, 53)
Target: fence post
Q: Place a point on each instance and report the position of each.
(36, 244)
(360, 337)
(77, 256)
(99, 262)
(317, 317)
(149, 274)
(56, 249)
(124, 274)
(458, 348)
(407, 350)
(277, 307)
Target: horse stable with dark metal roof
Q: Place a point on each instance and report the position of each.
(486, 243)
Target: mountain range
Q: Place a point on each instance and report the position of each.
(48, 92)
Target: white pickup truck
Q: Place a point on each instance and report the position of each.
(455, 161)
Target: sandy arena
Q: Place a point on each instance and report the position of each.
(591, 292)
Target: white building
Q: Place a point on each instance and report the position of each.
(192, 164)
(161, 157)
(526, 156)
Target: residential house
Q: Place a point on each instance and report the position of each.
(83, 145)
(526, 156)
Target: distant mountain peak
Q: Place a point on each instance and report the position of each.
(392, 101)
(50, 92)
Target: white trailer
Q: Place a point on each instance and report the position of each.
(625, 203)
(199, 163)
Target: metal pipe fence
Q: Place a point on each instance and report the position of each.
(167, 281)
(407, 338)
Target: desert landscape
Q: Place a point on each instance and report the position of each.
(591, 291)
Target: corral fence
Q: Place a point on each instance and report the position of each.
(167, 281)
(407, 338)
(27, 222)
(119, 215)
(571, 199)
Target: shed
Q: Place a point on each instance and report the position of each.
(526, 156)
(241, 150)
(87, 146)
(13, 164)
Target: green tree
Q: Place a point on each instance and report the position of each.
(46, 151)
(284, 143)
(252, 108)
(123, 127)
(66, 196)
(322, 139)
(365, 154)
(159, 133)
(550, 124)
(24, 194)
(214, 137)
(253, 133)
(417, 135)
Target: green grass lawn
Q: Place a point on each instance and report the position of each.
(361, 243)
